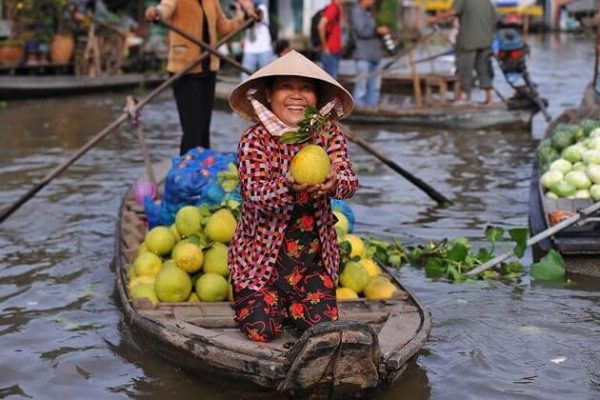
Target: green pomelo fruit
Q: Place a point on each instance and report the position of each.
(342, 225)
(175, 232)
(212, 287)
(354, 276)
(221, 226)
(160, 240)
(188, 256)
(310, 165)
(344, 293)
(358, 246)
(187, 221)
(215, 260)
(145, 291)
(147, 264)
(172, 285)
(379, 289)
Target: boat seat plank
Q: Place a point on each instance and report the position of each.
(225, 352)
(220, 315)
(398, 330)
(225, 339)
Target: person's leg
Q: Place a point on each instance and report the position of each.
(264, 58)
(259, 314)
(373, 85)
(360, 87)
(194, 96)
(314, 301)
(250, 62)
(485, 73)
(465, 63)
(335, 65)
(329, 64)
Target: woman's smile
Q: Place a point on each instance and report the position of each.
(289, 96)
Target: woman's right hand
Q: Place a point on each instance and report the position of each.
(152, 14)
(295, 186)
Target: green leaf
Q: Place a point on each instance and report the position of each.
(519, 236)
(198, 240)
(395, 260)
(550, 267)
(484, 255)
(511, 267)
(454, 274)
(489, 274)
(458, 252)
(345, 247)
(434, 267)
(414, 256)
(494, 233)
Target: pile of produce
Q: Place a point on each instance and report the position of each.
(183, 257)
(570, 161)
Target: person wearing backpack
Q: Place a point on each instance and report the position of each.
(330, 37)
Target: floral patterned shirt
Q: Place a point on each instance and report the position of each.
(263, 163)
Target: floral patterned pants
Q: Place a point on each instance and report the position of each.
(300, 290)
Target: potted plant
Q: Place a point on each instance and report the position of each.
(62, 45)
(12, 52)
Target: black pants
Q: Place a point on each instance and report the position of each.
(194, 95)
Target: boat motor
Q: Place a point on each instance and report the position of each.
(511, 54)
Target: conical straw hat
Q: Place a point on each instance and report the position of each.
(291, 64)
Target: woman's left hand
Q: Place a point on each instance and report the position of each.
(327, 187)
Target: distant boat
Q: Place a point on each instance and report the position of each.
(21, 87)
(450, 116)
(579, 245)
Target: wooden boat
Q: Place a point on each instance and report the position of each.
(370, 346)
(20, 87)
(451, 116)
(579, 245)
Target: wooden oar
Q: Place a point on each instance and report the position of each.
(112, 126)
(431, 192)
(539, 237)
(434, 194)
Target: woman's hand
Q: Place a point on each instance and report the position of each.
(295, 186)
(247, 7)
(329, 186)
(152, 14)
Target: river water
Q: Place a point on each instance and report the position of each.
(62, 334)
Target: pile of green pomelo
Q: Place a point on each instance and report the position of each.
(570, 161)
(187, 261)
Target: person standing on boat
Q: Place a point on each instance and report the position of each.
(367, 53)
(194, 92)
(477, 23)
(330, 33)
(257, 47)
(284, 256)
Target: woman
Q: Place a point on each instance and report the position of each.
(195, 91)
(284, 255)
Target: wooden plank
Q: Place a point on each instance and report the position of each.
(398, 330)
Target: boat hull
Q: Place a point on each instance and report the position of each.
(21, 87)
(369, 347)
(579, 245)
(466, 117)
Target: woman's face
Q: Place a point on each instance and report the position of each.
(289, 96)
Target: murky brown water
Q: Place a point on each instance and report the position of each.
(62, 334)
